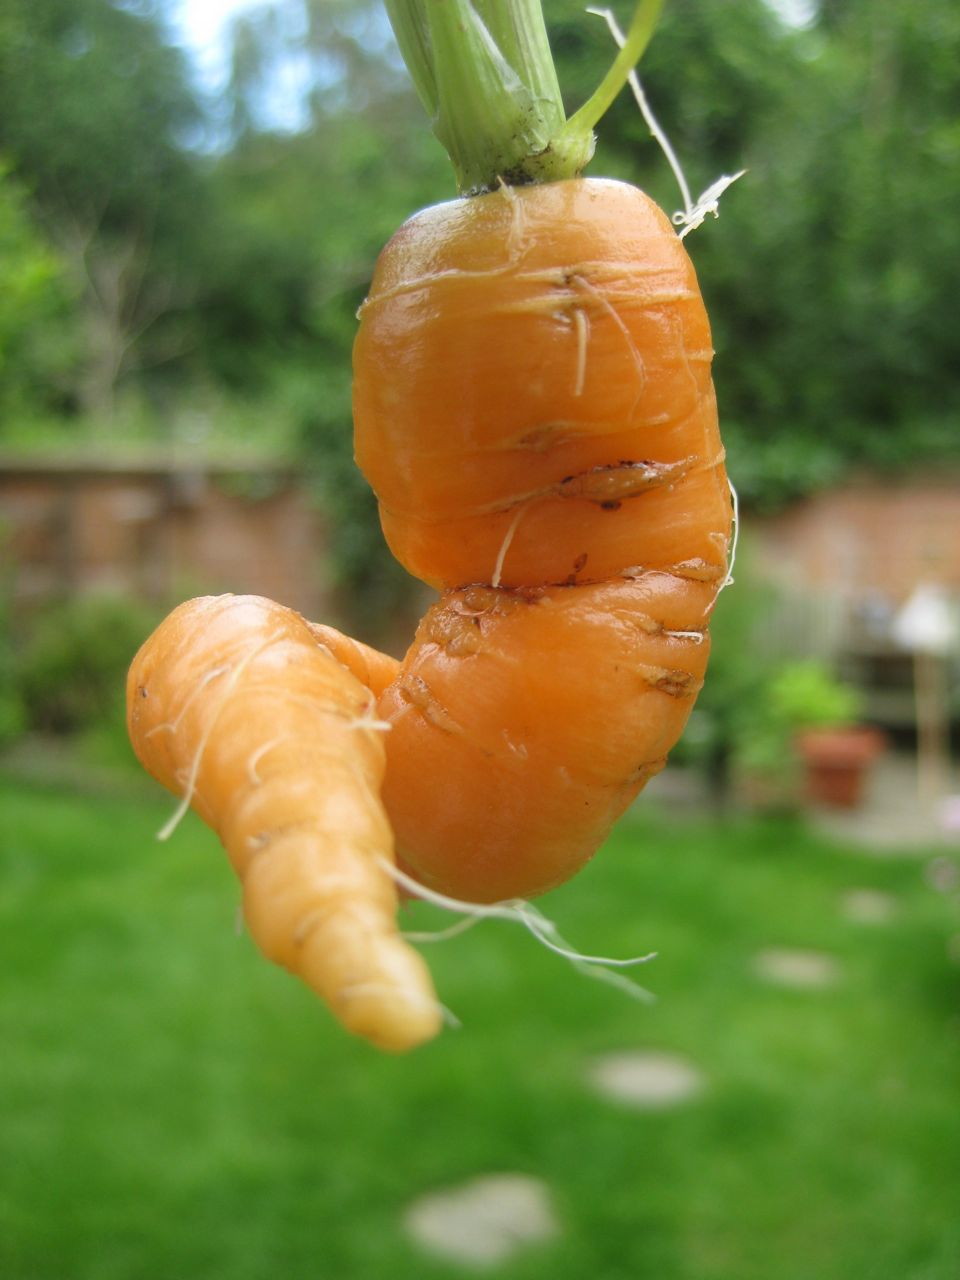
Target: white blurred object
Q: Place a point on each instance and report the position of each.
(927, 627)
(950, 815)
(927, 623)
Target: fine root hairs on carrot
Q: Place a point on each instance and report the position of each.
(517, 232)
(519, 911)
(582, 328)
(190, 780)
(233, 703)
(606, 305)
(732, 559)
(497, 575)
(693, 213)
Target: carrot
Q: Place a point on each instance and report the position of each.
(533, 401)
(233, 703)
(524, 722)
(534, 409)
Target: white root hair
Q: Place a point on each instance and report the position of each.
(190, 784)
(582, 328)
(261, 751)
(517, 233)
(518, 911)
(505, 545)
(696, 636)
(171, 726)
(606, 305)
(735, 502)
(694, 212)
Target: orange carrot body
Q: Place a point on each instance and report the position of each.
(523, 723)
(532, 386)
(372, 668)
(234, 703)
(534, 408)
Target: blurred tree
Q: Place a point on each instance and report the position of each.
(95, 108)
(35, 333)
(831, 275)
(300, 219)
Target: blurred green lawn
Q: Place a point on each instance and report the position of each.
(173, 1106)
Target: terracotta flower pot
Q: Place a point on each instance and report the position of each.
(837, 763)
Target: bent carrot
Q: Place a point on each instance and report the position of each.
(534, 409)
(233, 704)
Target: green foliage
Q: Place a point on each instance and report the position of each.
(373, 589)
(830, 275)
(755, 701)
(94, 108)
(795, 696)
(741, 663)
(804, 695)
(12, 717)
(72, 662)
(36, 342)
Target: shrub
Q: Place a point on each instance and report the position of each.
(11, 707)
(72, 666)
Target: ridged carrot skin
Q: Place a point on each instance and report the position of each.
(233, 702)
(532, 397)
(525, 721)
(534, 409)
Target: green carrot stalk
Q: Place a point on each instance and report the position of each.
(484, 72)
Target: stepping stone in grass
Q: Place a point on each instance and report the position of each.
(485, 1221)
(789, 967)
(645, 1079)
(943, 874)
(869, 906)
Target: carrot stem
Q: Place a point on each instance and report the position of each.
(485, 74)
(635, 42)
(409, 21)
(519, 30)
(488, 119)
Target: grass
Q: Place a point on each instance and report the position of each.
(172, 1106)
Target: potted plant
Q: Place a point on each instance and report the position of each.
(834, 747)
(800, 739)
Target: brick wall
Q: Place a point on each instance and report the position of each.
(160, 531)
(869, 537)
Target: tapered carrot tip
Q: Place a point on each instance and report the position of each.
(376, 984)
(234, 705)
